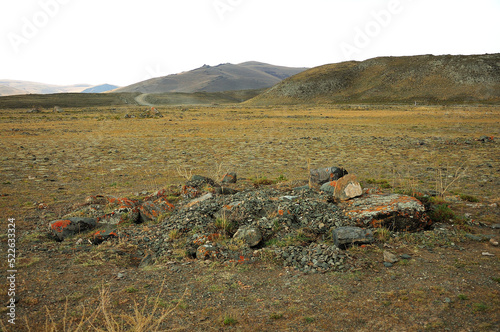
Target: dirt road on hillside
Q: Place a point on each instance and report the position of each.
(141, 100)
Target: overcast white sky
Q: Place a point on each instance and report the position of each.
(125, 41)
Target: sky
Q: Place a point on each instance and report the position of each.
(126, 41)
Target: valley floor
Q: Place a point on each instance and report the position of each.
(51, 161)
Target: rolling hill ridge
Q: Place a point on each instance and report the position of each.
(223, 77)
(422, 78)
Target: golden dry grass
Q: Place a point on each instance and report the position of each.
(58, 159)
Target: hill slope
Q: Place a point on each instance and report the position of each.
(424, 78)
(6, 90)
(224, 77)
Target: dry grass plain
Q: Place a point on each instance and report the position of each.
(57, 159)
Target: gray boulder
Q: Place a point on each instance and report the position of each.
(323, 175)
(229, 178)
(351, 235)
(249, 234)
(206, 251)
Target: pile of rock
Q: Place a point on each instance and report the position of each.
(218, 222)
(313, 258)
(107, 212)
(151, 113)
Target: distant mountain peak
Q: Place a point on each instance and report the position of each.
(222, 77)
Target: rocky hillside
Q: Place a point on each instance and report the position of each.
(224, 77)
(423, 78)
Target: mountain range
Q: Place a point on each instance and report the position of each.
(18, 87)
(407, 79)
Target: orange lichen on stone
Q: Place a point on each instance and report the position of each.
(60, 225)
(164, 203)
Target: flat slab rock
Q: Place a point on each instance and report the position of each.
(351, 235)
(393, 211)
(70, 226)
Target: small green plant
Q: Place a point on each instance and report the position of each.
(382, 234)
(441, 213)
(276, 315)
(462, 297)
(228, 320)
(480, 307)
(302, 236)
(223, 224)
(281, 178)
(382, 183)
(271, 242)
(497, 279)
(174, 234)
(309, 320)
(131, 289)
(276, 225)
(469, 198)
(262, 181)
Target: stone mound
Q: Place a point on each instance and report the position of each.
(293, 225)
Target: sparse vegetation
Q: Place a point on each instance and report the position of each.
(122, 152)
(441, 213)
(381, 183)
(224, 224)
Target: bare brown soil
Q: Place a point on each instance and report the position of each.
(50, 161)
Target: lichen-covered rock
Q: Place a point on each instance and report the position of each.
(392, 211)
(351, 235)
(199, 199)
(122, 202)
(198, 185)
(323, 175)
(148, 211)
(103, 235)
(347, 187)
(249, 234)
(328, 187)
(120, 216)
(62, 229)
(229, 178)
(207, 251)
